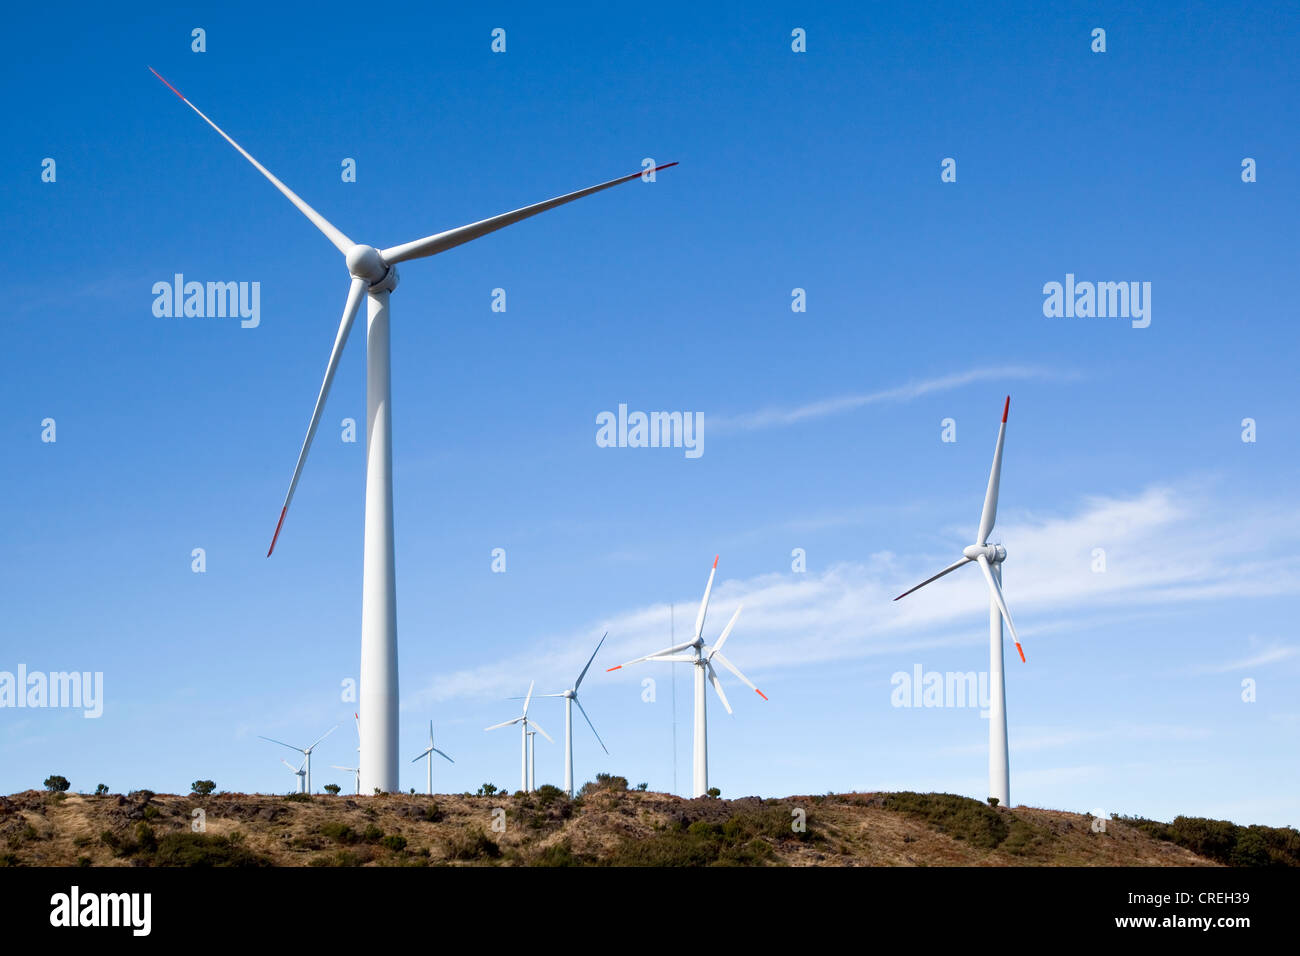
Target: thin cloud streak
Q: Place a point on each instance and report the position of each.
(774, 417)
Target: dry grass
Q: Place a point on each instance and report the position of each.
(603, 828)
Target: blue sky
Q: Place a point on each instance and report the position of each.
(822, 431)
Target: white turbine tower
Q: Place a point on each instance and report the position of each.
(374, 276)
(990, 558)
(702, 657)
(299, 772)
(428, 755)
(525, 779)
(570, 698)
(306, 752)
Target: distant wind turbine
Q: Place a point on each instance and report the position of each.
(306, 752)
(990, 558)
(570, 698)
(525, 783)
(299, 772)
(428, 755)
(702, 657)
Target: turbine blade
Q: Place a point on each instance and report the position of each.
(341, 242)
(442, 241)
(656, 654)
(995, 477)
(996, 593)
(348, 769)
(529, 698)
(704, 602)
(283, 744)
(589, 660)
(355, 293)
(505, 723)
(717, 685)
(422, 756)
(441, 754)
(726, 631)
(948, 570)
(591, 725)
(736, 670)
(323, 736)
(538, 727)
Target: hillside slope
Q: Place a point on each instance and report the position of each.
(545, 828)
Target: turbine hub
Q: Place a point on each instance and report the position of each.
(365, 262)
(994, 553)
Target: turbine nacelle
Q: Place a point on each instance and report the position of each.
(367, 263)
(993, 553)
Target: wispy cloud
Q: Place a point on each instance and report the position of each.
(1269, 655)
(1154, 543)
(776, 416)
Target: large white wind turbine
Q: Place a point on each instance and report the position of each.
(428, 753)
(306, 752)
(990, 557)
(702, 657)
(374, 276)
(570, 698)
(525, 780)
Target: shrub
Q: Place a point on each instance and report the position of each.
(202, 850)
(332, 789)
(959, 817)
(472, 844)
(604, 781)
(202, 788)
(101, 790)
(643, 787)
(487, 790)
(296, 797)
(151, 812)
(372, 834)
(338, 832)
(394, 842)
(714, 792)
(56, 783)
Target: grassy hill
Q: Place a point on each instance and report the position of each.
(606, 827)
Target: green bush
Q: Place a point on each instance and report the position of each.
(101, 790)
(338, 832)
(394, 842)
(332, 789)
(56, 783)
(1226, 842)
(372, 834)
(201, 850)
(202, 788)
(472, 844)
(959, 817)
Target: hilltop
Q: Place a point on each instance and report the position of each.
(605, 827)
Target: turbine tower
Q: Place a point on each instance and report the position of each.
(300, 772)
(525, 779)
(702, 657)
(305, 752)
(428, 755)
(570, 698)
(990, 558)
(373, 275)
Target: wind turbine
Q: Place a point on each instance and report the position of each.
(702, 657)
(990, 557)
(374, 276)
(299, 772)
(357, 769)
(428, 754)
(570, 698)
(525, 783)
(305, 752)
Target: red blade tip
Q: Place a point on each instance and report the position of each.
(614, 668)
(1006, 408)
(1022, 654)
(279, 524)
(715, 560)
(760, 693)
(165, 83)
